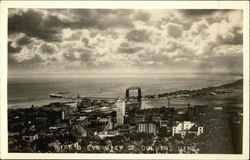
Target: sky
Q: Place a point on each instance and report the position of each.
(124, 41)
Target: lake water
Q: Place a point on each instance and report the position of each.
(23, 92)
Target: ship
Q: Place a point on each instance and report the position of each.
(56, 95)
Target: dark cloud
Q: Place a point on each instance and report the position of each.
(124, 44)
(12, 49)
(48, 27)
(23, 41)
(224, 64)
(128, 50)
(85, 41)
(53, 59)
(99, 18)
(138, 36)
(200, 12)
(198, 27)
(34, 61)
(47, 48)
(212, 20)
(234, 37)
(170, 47)
(142, 16)
(33, 24)
(174, 30)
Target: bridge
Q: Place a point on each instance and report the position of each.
(134, 88)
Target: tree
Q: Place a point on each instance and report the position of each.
(190, 135)
(177, 137)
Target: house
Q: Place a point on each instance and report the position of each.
(30, 136)
(186, 127)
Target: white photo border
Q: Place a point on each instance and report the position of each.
(244, 5)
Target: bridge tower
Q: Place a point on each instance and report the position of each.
(139, 96)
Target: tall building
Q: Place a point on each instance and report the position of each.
(147, 127)
(120, 112)
(139, 119)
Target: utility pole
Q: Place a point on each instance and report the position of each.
(168, 101)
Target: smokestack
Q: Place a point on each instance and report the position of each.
(63, 115)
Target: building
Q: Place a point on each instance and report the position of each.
(147, 127)
(58, 107)
(103, 120)
(30, 137)
(156, 119)
(120, 112)
(110, 124)
(139, 119)
(201, 109)
(218, 108)
(186, 127)
(82, 121)
(105, 134)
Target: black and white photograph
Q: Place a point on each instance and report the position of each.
(125, 80)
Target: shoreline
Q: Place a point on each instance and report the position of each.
(41, 103)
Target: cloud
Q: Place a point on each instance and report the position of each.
(48, 24)
(12, 49)
(85, 41)
(121, 39)
(98, 18)
(81, 55)
(71, 56)
(53, 59)
(74, 37)
(201, 12)
(34, 24)
(170, 46)
(23, 41)
(137, 36)
(48, 48)
(142, 16)
(174, 30)
(35, 61)
(233, 36)
(128, 49)
(221, 64)
(198, 27)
